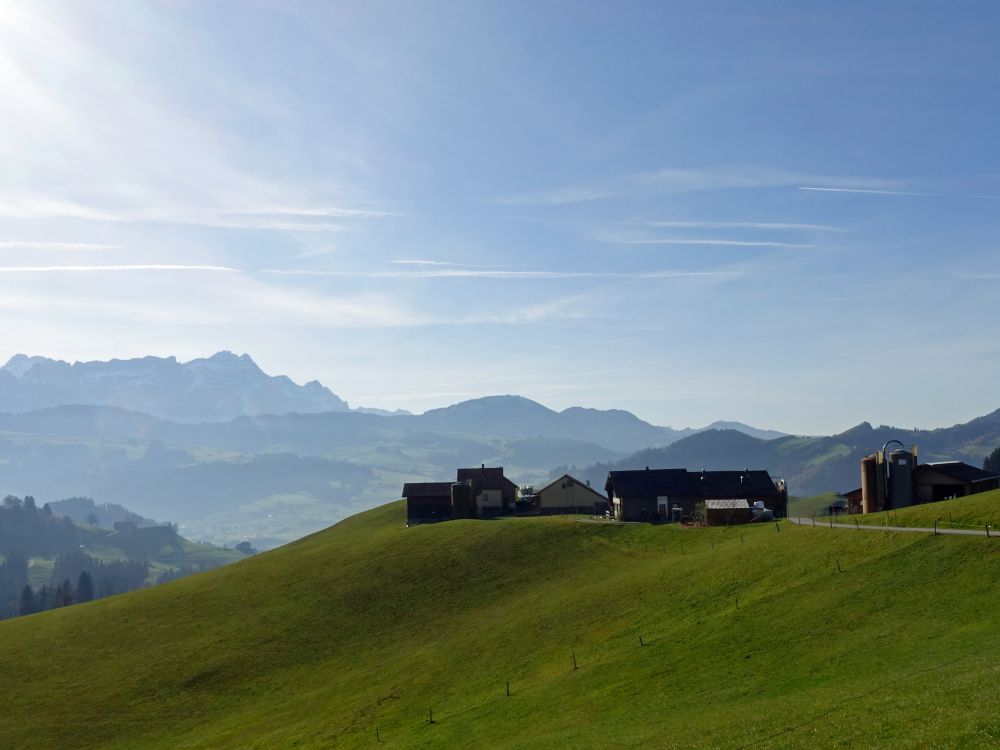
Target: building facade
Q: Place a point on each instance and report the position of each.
(569, 495)
(672, 494)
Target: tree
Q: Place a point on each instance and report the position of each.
(84, 587)
(43, 600)
(92, 519)
(64, 594)
(27, 605)
(992, 462)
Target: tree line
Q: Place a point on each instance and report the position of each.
(27, 531)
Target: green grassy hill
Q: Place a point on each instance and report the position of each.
(972, 512)
(369, 624)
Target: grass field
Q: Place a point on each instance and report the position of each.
(751, 637)
(972, 512)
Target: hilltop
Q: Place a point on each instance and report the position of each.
(366, 626)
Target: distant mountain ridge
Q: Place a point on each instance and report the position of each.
(810, 465)
(212, 389)
(517, 416)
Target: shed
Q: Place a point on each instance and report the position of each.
(727, 511)
(427, 501)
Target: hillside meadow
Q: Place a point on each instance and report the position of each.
(759, 636)
(972, 512)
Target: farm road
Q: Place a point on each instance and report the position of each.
(963, 532)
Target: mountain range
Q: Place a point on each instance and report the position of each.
(294, 458)
(226, 386)
(212, 389)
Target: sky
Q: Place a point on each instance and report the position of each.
(784, 213)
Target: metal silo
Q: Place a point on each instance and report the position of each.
(900, 478)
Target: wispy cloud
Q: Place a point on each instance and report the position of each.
(718, 242)
(116, 268)
(763, 225)
(297, 219)
(458, 273)
(43, 245)
(689, 180)
(868, 191)
(558, 196)
(443, 263)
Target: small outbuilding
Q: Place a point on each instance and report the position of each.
(427, 502)
(569, 495)
(727, 512)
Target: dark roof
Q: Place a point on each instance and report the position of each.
(486, 478)
(960, 471)
(650, 482)
(426, 489)
(680, 482)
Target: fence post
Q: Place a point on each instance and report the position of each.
(508, 688)
(987, 531)
(574, 660)
(777, 526)
(831, 521)
(430, 715)
(935, 527)
(377, 737)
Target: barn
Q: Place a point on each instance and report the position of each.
(427, 501)
(671, 494)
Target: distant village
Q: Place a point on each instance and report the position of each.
(645, 495)
(889, 480)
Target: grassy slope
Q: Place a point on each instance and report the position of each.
(806, 506)
(974, 511)
(370, 623)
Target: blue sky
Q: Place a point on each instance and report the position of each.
(782, 213)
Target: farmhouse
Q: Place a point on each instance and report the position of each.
(492, 492)
(891, 480)
(569, 495)
(671, 494)
(477, 493)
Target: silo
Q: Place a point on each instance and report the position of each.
(900, 478)
(461, 500)
(870, 489)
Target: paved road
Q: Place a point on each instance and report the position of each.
(993, 533)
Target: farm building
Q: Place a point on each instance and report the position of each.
(493, 493)
(891, 480)
(569, 495)
(671, 494)
(476, 493)
(427, 501)
(853, 499)
(727, 512)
